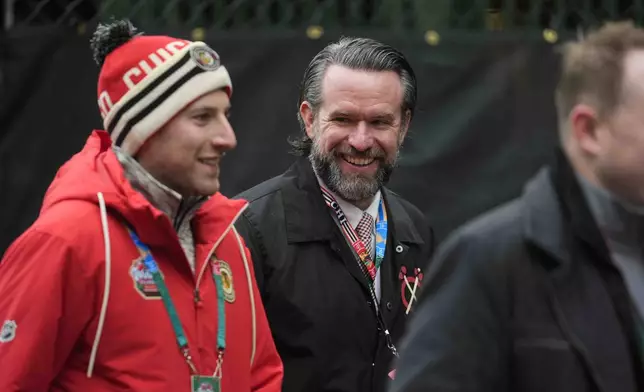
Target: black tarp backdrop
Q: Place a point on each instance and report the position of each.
(484, 124)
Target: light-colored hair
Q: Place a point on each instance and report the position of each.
(354, 53)
(593, 69)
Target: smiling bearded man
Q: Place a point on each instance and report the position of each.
(338, 257)
(355, 186)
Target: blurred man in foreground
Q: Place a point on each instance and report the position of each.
(546, 293)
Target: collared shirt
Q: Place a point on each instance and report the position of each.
(354, 215)
(622, 226)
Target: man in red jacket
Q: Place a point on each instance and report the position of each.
(133, 276)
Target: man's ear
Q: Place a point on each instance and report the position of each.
(583, 127)
(306, 112)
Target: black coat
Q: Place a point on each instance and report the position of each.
(315, 295)
(524, 299)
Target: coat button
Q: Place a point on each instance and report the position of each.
(389, 305)
(369, 303)
(399, 249)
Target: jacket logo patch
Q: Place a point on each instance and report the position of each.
(222, 268)
(409, 286)
(143, 280)
(8, 331)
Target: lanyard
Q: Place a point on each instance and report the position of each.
(362, 256)
(355, 241)
(151, 267)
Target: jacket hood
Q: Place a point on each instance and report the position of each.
(96, 169)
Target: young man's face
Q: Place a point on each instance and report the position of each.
(185, 154)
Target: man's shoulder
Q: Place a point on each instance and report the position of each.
(263, 190)
(264, 198)
(397, 205)
(69, 220)
(499, 229)
(70, 226)
(394, 198)
(513, 222)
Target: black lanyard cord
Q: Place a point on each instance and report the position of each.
(376, 304)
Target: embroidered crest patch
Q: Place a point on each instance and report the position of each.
(409, 286)
(143, 280)
(8, 331)
(205, 57)
(222, 268)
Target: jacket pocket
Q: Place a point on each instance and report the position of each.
(544, 361)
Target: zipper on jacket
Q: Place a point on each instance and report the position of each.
(197, 297)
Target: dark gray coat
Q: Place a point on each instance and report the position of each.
(525, 299)
(315, 295)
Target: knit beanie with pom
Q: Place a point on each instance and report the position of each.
(146, 80)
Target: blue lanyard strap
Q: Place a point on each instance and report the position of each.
(151, 266)
(221, 311)
(355, 241)
(381, 234)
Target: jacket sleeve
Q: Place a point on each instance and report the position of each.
(267, 369)
(45, 302)
(456, 341)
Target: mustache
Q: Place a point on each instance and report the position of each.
(371, 153)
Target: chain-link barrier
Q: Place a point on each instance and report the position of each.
(414, 15)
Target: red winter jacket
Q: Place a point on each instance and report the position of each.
(72, 283)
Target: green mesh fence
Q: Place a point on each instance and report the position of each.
(400, 15)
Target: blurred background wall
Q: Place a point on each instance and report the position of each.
(486, 70)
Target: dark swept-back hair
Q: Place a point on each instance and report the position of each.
(359, 54)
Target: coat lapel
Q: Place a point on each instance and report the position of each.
(587, 316)
(309, 219)
(401, 276)
(581, 302)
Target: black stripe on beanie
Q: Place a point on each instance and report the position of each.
(129, 104)
(158, 101)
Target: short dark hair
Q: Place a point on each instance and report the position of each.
(359, 54)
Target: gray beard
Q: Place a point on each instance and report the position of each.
(351, 187)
